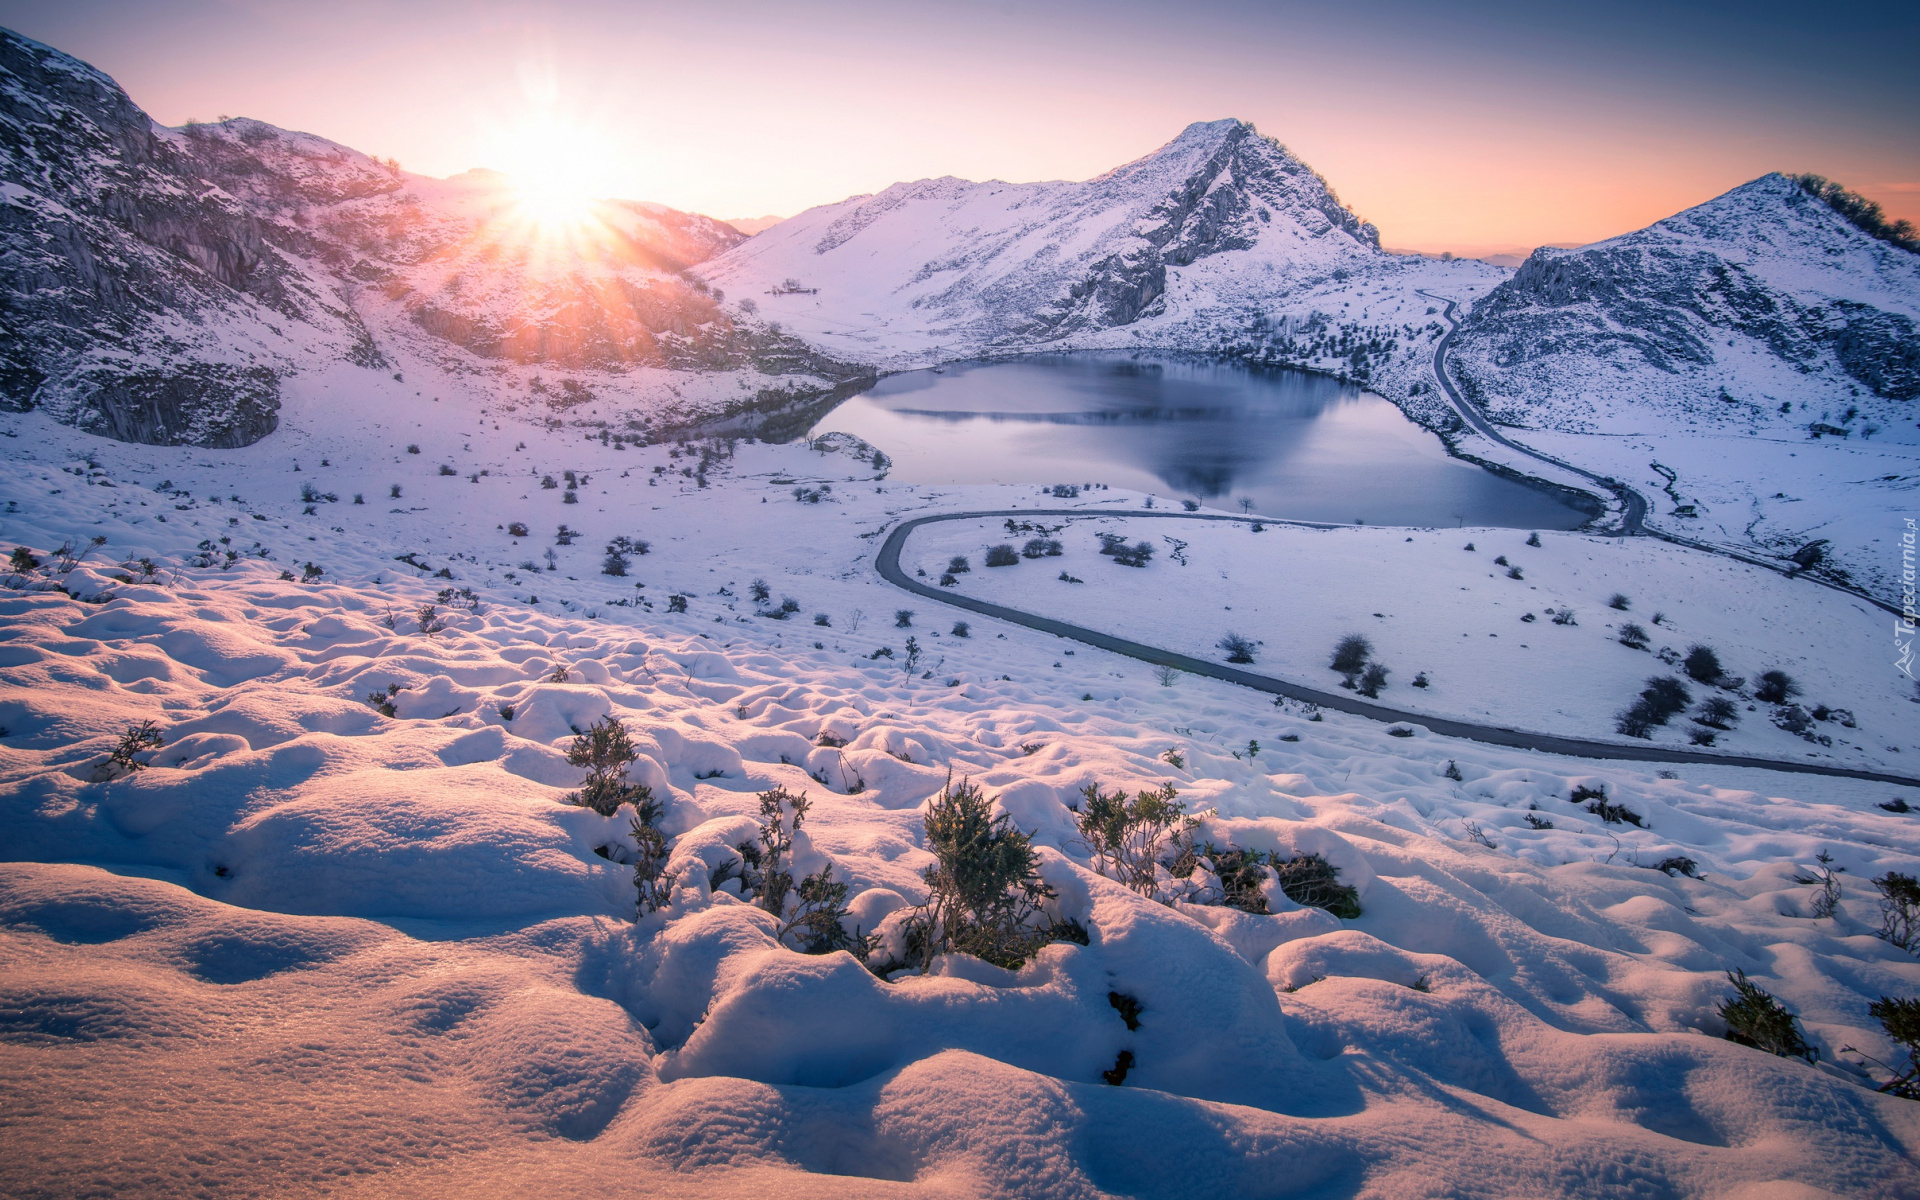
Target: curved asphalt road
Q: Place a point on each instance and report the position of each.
(888, 564)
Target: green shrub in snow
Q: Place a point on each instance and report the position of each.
(1754, 1018)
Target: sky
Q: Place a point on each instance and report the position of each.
(1472, 126)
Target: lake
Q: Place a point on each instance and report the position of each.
(1293, 443)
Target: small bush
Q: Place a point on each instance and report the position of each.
(136, 740)
(1350, 656)
(984, 893)
(548, 483)
(958, 565)
(1372, 680)
(1500, 561)
(1717, 712)
(823, 620)
(1901, 1020)
(1616, 814)
(1775, 687)
(1040, 548)
(1582, 792)
(412, 449)
(447, 470)
(1237, 649)
(1564, 617)
(22, 560)
(759, 591)
(1132, 840)
(1899, 910)
(615, 563)
(1515, 573)
(1702, 665)
(1619, 600)
(903, 618)
(382, 701)
(1003, 555)
(1313, 881)
(517, 529)
(606, 751)
(1421, 680)
(961, 629)
(1137, 555)
(1533, 539)
(1633, 637)
(676, 604)
(811, 909)
(1754, 1018)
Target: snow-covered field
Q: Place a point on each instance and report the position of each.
(1540, 653)
(316, 949)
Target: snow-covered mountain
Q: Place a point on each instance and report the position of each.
(1720, 315)
(1220, 240)
(161, 284)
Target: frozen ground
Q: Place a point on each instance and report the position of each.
(316, 949)
(1433, 608)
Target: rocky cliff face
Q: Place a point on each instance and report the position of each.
(1761, 297)
(156, 285)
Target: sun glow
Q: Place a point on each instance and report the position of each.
(558, 169)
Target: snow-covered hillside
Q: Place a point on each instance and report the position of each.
(1753, 360)
(313, 947)
(1221, 240)
(1716, 317)
(163, 284)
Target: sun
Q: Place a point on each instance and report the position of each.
(558, 169)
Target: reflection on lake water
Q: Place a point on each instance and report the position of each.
(1295, 444)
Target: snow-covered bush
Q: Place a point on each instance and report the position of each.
(517, 529)
(1003, 555)
(1754, 1018)
(1633, 636)
(1350, 657)
(810, 908)
(1372, 680)
(1663, 698)
(135, 741)
(1899, 910)
(1702, 665)
(1139, 843)
(1901, 1021)
(985, 896)
(606, 751)
(1775, 687)
(1310, 880)
(1717, 712)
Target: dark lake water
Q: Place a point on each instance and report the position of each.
(1295, 444)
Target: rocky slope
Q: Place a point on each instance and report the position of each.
(159, 284)
(1222, 241)
(1761, 297)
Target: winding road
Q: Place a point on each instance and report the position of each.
(888, 564)
(1633, 504)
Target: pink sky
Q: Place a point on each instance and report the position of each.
(1448, 134)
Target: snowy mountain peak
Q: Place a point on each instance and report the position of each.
(1220, 214)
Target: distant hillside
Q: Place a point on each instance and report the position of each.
(162, 283)
(1765, 296)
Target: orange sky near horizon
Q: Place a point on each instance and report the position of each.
(1484, 137)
